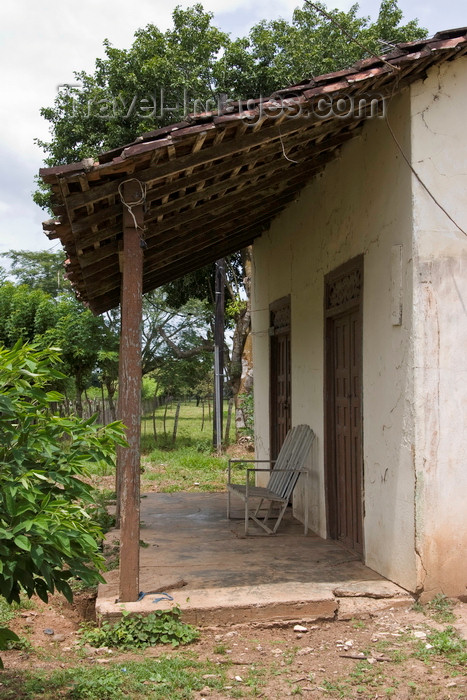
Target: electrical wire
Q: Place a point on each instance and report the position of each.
(352, 39)
(137, 202)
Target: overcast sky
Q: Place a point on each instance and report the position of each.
(43, 41)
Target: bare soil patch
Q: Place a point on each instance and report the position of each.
(363, 658)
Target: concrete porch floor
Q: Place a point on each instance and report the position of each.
(216, 575)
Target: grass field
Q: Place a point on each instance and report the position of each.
(190, 432)
(187, 463)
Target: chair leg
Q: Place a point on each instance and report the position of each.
(247, 515)
(228, 504)
(268, 512)
(278, 521)
(259, 507)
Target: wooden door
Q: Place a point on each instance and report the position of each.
(280, 374)
(343, 408)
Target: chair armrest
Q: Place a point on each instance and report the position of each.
(292, 471)
(252, 461)
(260, 469)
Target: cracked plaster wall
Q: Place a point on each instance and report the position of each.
(361, 204)
(439, 151)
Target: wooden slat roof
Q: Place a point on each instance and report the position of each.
(215, 181)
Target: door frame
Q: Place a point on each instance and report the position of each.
(343, 292)
(279, 324)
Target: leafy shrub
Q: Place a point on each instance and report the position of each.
(139, 632)
(247, 407)
(46, 534)
(6, 638)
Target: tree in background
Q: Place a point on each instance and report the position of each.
(192, 67)
(32, 315)
(39, 269)
(277, 53)
(89, 344)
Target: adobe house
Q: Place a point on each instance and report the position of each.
(352, 188)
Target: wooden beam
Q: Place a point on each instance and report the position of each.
(129, 388)
(208, 154)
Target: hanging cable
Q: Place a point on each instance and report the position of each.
(135, 203)
(396, 69)
(349, 36)
(283, 150)
(419, 179)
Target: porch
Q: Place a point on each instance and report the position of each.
(217, 576)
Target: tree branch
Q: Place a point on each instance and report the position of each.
(206, 346)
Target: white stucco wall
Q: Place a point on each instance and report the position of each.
(439, 151)
(361, 204)
(414, 374)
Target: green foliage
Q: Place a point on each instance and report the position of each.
(133, 90)
(174, 677)
(20, 309)
(80, 336)
(139, 632)
(98, 509)
(31, 315)
(176, 350)
(446, 642)
(148, 388)
(277, 54)
(46, 533)
(247, 406)
(193, 66)
(40, 269)
(6, 638)
(440, 609)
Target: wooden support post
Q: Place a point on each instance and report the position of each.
(219, 355)
(129, 387)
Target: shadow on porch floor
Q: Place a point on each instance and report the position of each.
(217, 576)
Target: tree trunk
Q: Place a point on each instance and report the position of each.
(88, 403)
(111, 389)
(177, 413)
(246, 383)
(241, 366)
(154, 423)
(228, 422)
(79, 403)
(165, 416)
(103, 405)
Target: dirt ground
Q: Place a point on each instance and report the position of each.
(362, 658)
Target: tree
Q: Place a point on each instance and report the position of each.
(32, 315)
(193, 67)
(46, 533)
(80, 336)
(276, 54)
(19, 308)
(41, 269)
(179, 332)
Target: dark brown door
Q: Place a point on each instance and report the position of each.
(344, 415)
(280, 372)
